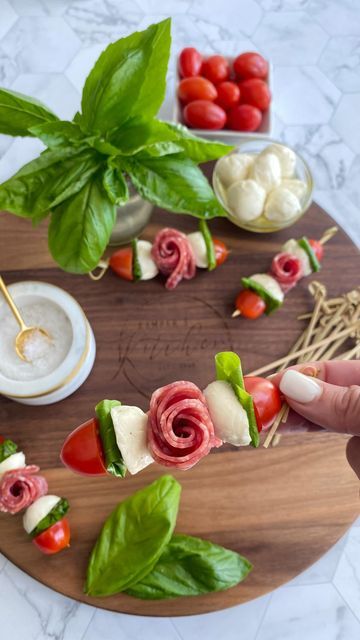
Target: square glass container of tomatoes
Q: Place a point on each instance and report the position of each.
(226, 134)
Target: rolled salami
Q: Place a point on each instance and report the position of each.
(174, 256)
(287, 269)
(21, 487)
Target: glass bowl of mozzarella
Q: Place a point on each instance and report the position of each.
(263, 185)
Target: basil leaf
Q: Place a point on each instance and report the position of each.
(7, 449)
(228, 368)
(19, 112)
(128, 79)
(133, 538)
(136, 267)
(115, 184)
(306, 246)
(113, 458)
(59, 133)
(158, 149)
(210, 249)
(55, 515)
(198, 149)
(80, 228)
(174, 183)
(271, 303)
(191, 566)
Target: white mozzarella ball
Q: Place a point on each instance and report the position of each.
(269, 284)
(291, 246)
(229, 418)
(38, 510)
(198, 246)
(233, 168)
(286, 157)
(281, 205)
(130, 426)
(266, 170)
(148, 267)
(15, 461)
(297, 187)
(246, 200)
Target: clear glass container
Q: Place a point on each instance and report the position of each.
(131, 220)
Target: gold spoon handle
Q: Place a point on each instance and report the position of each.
(11, 304)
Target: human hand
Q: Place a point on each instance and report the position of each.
(325, 394)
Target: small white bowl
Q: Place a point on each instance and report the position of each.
(229, 136)
(78, 361)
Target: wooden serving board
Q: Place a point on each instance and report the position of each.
(282, 508)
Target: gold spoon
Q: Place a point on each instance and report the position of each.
(25, 331)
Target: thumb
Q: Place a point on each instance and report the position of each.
(327, 405)
(353, 454)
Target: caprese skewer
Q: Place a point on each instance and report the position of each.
(264, 292)
(181, 426)
(173, 254)
(21, 487)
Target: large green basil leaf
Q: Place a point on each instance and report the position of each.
(197, 149)
(115, 184)
(18, 113)
(113, 458)
(138, 132)
(133, 538)
(128, 79)
(80, 228)
(190, 566)
(174, 183)
(59, 133)
(55, 515)
(7, 449)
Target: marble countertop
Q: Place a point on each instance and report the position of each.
(46, 50)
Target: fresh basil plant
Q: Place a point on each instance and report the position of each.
(81, 177)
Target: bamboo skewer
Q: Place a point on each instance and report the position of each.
(275, 425)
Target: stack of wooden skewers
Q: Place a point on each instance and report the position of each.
(333, 324)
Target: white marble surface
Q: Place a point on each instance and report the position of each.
(46, 49)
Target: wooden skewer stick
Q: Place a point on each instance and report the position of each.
(328, 234)
(236, 313)
(275, 425)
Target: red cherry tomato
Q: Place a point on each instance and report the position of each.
(250, 304)
(266, 399)
(121, 263)
(196, 89)
(221, 251)
(255, 92)
(190, 62)
(251, 65)
(244, 117)
(2, 439)
(317, 248)
(228, 94)
(54, 539)
(216, 69)
(203, 114)
(82, 450)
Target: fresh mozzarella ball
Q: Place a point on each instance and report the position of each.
(291, 246)
(229, 418)
(269, 284)
(198, 246)
(148, 267)
(15, 461)
(286, 157)
(246, 200)
(38, 510)
(281, 205)
(266, 170)
(233, 168)
(297, 187)
(130, 426)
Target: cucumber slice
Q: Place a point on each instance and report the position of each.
(314, 262)
(137, 273)
(271, 303)
(210, 249)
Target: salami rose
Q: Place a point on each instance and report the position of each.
(287, 269)
(180, 430)
(19, 488)
(174, 257)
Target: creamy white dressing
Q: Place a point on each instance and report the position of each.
(229, 418)
(130, 426)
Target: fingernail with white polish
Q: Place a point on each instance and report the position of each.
(298, 387)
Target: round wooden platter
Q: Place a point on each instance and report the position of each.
(282, 508)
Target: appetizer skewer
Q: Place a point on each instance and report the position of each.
(264, 292)
(173, 254)
(22, 488)
(182, 425)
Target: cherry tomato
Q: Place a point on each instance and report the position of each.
(244, 117)
(190, 62)
(251, 65)
(121, 263)
(196, 89)
(266, 399)
(228, 94)
(204, 114)
(2, 439)
(255, 92)
(82, 450)
(216, 69)
(250, 304)
(317, 248)
(221, 251)
(54, 539)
